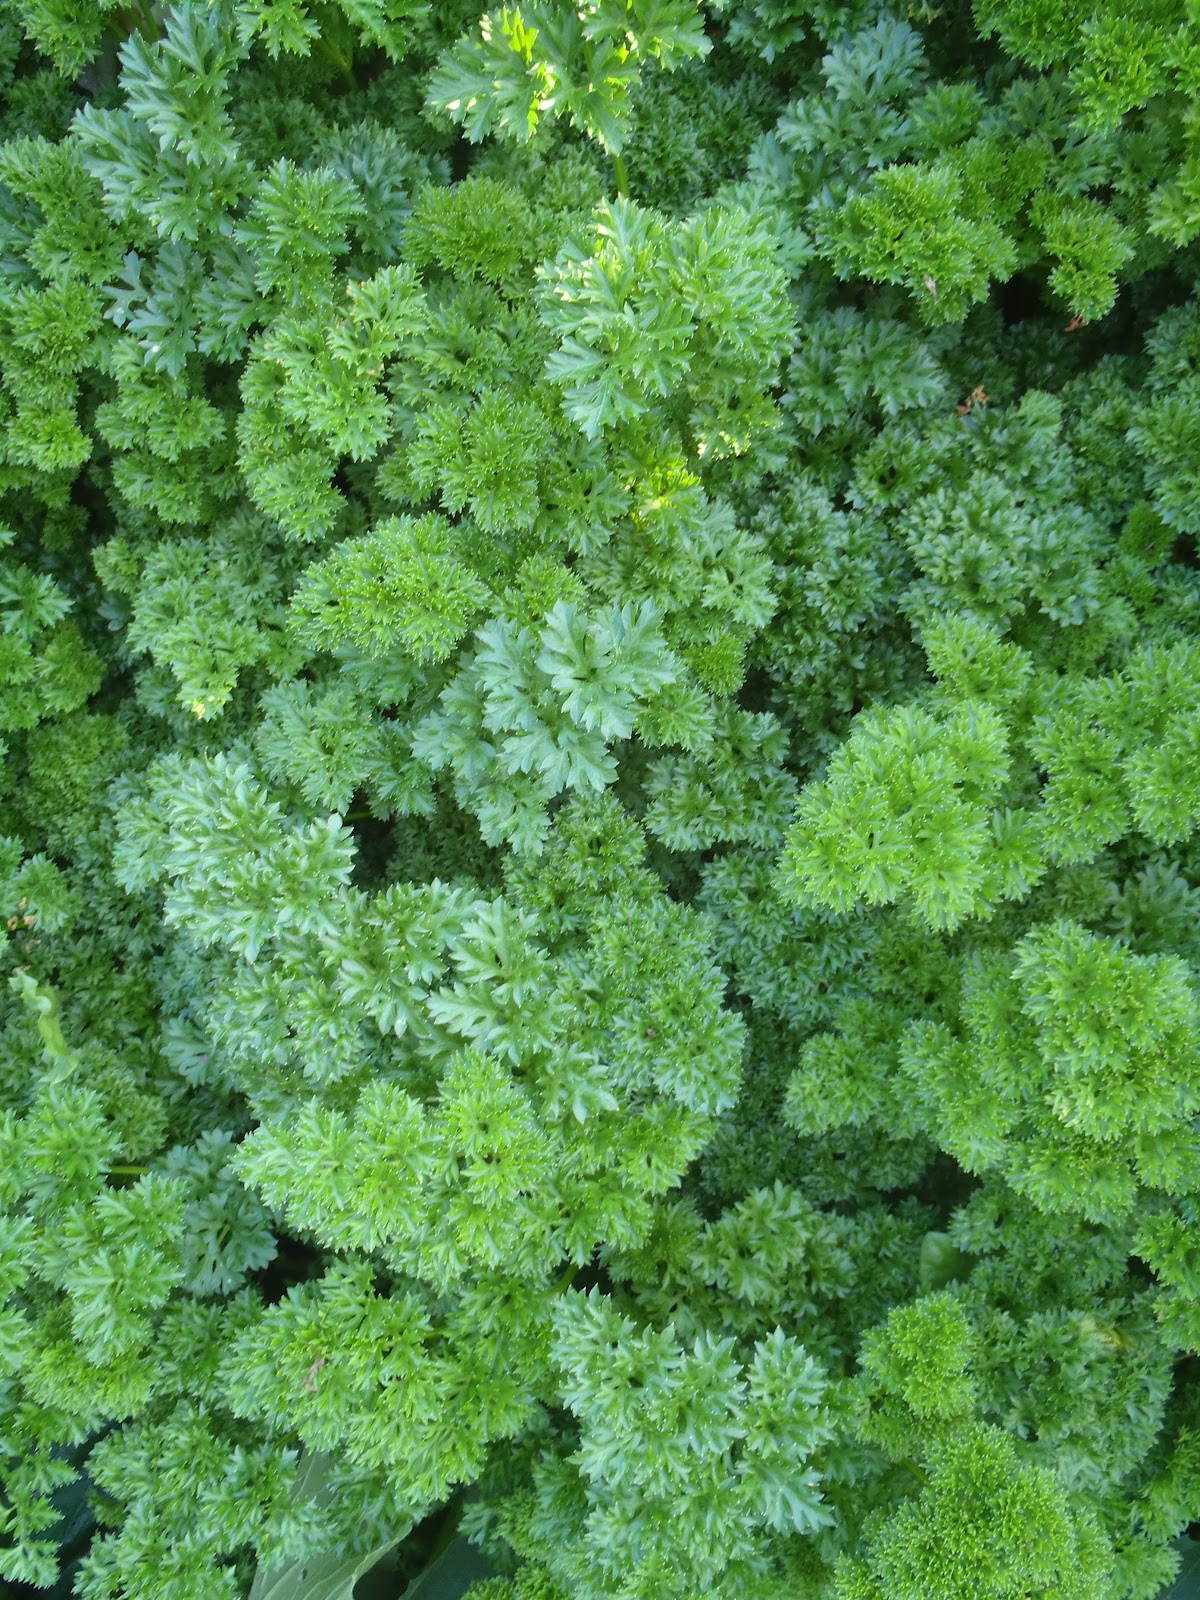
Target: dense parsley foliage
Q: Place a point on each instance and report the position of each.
(600, 789)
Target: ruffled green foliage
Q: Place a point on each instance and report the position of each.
(600, 785)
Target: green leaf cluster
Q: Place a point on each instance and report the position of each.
(599, 798)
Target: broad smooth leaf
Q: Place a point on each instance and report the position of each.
(1187, 1582)
(320, 1577)
(451, 1575)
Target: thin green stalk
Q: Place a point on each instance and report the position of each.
(133, 18)
(621, 175)
(565, 1280)
(334, 55)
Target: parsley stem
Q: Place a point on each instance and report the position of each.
(132, 18)
(621, 175)
(333, 54)
(563, 1283)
